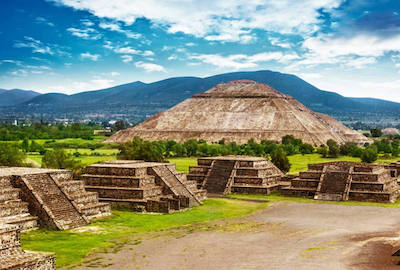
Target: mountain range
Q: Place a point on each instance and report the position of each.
(137, 101)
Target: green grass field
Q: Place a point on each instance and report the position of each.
(107, 233)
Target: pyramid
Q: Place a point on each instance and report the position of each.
(238, 111)
(345, 180)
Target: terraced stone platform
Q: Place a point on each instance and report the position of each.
(12, 257)
(236, 174)
(342, 181)
(51, 198)
(142, 186)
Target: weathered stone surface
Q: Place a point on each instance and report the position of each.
(13, 257)
(238, 111)
(342, 180)
(236, 174)
(143, 186)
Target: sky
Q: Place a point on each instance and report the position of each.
(350, 47)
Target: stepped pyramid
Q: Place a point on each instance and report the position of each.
(142, 186)
(344, 180)
(51, 198)
(238, 111)
(13, 257)
(236, 174)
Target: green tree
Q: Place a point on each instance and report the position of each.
(279, 158)
(306, 148)
(60, 159)
(376, 132)
(11, 155)
(25, 145)
(333, 148)
(369, 155)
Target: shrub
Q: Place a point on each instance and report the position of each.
(60, 159)
(280, 160)
(369, 155)
(333, 148)
(11, 155)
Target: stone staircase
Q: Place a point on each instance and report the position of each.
(13, 257)
(142, 186)
(49, 203)
(12, 209)
(236, 174)
(87, 203)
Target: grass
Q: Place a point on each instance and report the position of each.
(71, 246)
(182, 164)
(276, 197)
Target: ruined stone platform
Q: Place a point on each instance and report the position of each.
(50, 198)
(13, 257)
(342, 181)
(236, 174)
(142, 186)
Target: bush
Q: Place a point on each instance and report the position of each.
(306, 148)
(139, 149)
(60, 159)
(333, 148)
(323, 151)
(280, 160)
(369, 155)
(11, 155)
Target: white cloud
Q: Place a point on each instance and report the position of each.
(150, 67)
(126, 58)
(41, 20)
(74, 87)
(172, 57)
(217, 20)
(127, 50)
(240, 61)
(117, 28)
(87, 33)
(36, 45)
(360, 62)
(87, 55)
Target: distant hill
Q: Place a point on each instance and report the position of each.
(139, 100)
(16, 96)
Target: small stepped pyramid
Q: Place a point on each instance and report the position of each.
(12, 209)
(342, 181)
(13, 257)
(53, 198)
(142, 186)
(236, 174)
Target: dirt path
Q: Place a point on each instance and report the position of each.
(282, 236)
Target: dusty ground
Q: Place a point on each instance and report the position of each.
(282, 236)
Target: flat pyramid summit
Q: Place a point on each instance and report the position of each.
(238, 111)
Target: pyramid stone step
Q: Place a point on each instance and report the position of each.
(13, 208)
(9, 194)
(96, 210)
(117, 181)
(125, 193)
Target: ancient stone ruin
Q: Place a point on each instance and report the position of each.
(13, 257)
(236, 174)
(343, 180)
(238, 111)
(51, 198)
(143, 186)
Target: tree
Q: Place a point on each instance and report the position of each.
(369, 155)
(306, 148)
(139, 149)
(376, 132)
(60, 159)
(10, 155)
(333, 147)
(25, 145)
(279, 158)
(120, 125)
(323, 150)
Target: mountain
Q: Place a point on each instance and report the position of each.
(137, 101)
(15, 96)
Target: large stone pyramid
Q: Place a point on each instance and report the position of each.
(238, 111)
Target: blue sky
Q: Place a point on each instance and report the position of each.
(350, 47)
